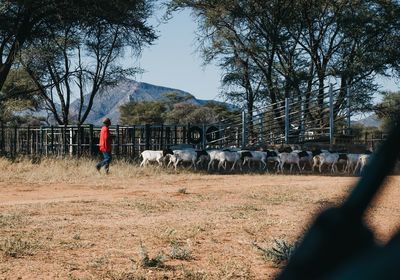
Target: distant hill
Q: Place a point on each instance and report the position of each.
(108, 101)
(370, 121)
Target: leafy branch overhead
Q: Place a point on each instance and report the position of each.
(269, 50)
(71, 49)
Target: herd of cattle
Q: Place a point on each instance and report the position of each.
(259, 160)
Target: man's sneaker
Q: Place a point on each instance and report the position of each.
(98, 168)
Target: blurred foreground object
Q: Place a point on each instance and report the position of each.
(338, 244)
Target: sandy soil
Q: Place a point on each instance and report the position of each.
(204, 226)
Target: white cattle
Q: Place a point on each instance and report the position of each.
(254, 156)
(352, 160)
(212, 158)
(180, 156)
(224, 157)
(362, 161)
(329, 159)
(202, 158)
(151, 156)
(272, 156)
(305, 157)
(289, 158)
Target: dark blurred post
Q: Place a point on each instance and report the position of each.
(339, 243)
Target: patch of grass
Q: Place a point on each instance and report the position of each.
(149, 206)
(182, 191)
(234, 270)
(179, 252)
(76, 243)
(16, 247)
(190, 274)
(11, 220)
(279, 252)
(99, 262)
(146, 261)
(121, 275)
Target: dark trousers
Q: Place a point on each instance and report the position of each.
(105, 162)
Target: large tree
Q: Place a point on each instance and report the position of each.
(19, 98)
(78, 49)
(300, 46)
(21, 22)
(388, 110)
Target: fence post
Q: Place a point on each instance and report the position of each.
(91, 140)
(243, 129)
(302, 121)
(331, 117)
(287, 122)
(348, 94)
(203, 137)
(261, 128)
(147, 136)
(117, 139)
(3, 145)
(15, 142)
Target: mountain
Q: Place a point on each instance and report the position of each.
(108, 101)
(370, 121)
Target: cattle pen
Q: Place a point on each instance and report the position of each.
(317, 120)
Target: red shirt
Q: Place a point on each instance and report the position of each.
(105, 140)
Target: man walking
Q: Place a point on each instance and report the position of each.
(105, 146)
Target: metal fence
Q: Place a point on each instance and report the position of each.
(291, 121)
(83, 140)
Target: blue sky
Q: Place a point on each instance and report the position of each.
(173, 61)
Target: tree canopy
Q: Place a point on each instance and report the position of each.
(388, 110)
(71, 48)
(274, 49)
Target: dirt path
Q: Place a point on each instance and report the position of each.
(205, 226)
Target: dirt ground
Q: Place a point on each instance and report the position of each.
(162, 225)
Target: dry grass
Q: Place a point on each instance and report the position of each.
(60, 219)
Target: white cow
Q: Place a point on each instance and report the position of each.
(186, 155)
(151, 156)
(224, 157)
(362, 161)
(329, 159)
(254, 156)
(289, 158)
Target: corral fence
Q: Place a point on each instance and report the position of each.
(291, 121)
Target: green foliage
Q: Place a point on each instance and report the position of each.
(223, 113)
(18, 98)
(389, 109)
(146, 261)
(272, 49)
(16, 247)
(156, 112)
(65, 45)
(179, 252)
(279, 252)
(146, 112)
